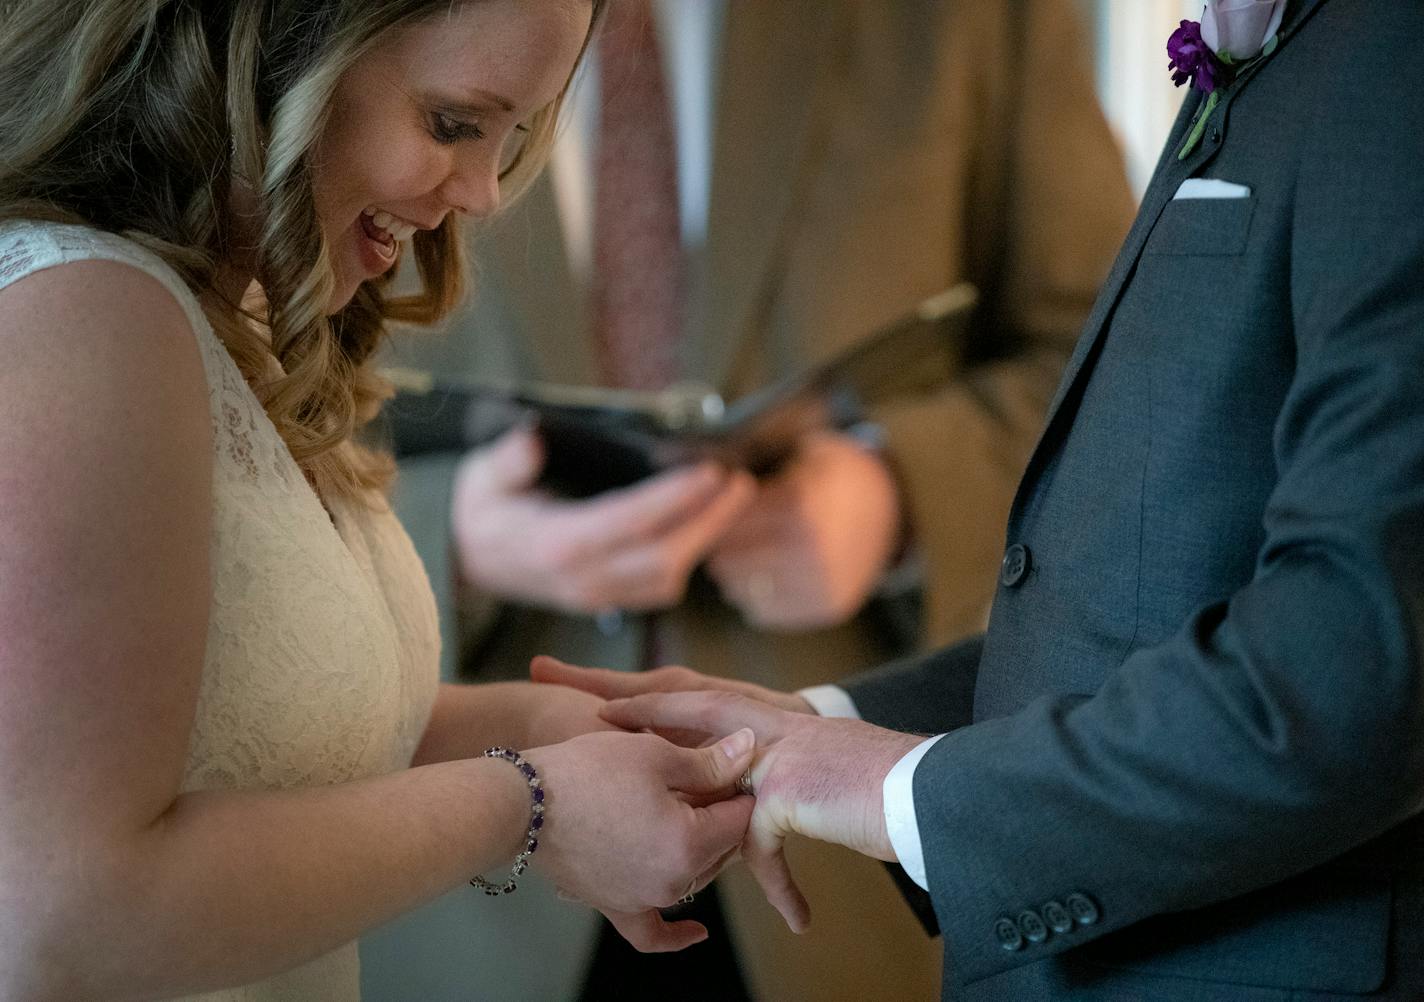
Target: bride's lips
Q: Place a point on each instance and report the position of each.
(379, 240)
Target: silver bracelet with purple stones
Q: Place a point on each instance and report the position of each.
(536, 822)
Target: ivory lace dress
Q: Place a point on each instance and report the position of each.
(322, 650)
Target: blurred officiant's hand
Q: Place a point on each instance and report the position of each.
(633, 548)
(814, 542)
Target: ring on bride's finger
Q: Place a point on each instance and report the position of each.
(744, 784)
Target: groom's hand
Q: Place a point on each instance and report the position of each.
(820, 777)
(607, 684)
(629, 828)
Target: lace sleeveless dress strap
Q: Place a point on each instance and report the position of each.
(322, 655)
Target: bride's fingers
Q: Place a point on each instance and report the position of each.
(599, 681)
(765, 856)
(649, 932)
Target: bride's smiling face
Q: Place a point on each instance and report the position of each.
(420, 126)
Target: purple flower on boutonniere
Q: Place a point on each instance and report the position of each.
(1230, 34)
(1193, 60)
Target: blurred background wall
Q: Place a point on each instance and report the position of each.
(1133, 82)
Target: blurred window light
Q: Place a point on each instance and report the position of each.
(1133, 82)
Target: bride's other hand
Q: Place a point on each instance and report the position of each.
(559, 713)
(622, 836)
(608, 684)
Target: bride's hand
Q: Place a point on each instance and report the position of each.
(560, 713)
(610, 684)
(621, 835)
(820, 777)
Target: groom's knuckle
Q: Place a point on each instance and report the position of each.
(719, 700)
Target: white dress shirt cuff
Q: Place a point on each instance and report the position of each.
(830, 701)
(900, 822)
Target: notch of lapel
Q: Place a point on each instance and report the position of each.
(528, 253)
(1168, 176)
(775, 56)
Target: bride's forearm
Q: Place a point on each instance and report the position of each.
(467, 719)
(227, 888)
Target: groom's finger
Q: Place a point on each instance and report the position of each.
(765, 856)
(649, 932)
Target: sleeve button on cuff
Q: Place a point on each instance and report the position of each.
(1057, 917)
(1032, 926)
(1008, 935)
(1083, 908)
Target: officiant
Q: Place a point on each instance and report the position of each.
(741, 189)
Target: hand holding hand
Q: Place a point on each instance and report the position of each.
(622, 835)
(809, 550)
(632, 548)
(820, 777)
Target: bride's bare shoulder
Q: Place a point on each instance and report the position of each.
(100, 318)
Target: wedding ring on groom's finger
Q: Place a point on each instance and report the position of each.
(744, 784)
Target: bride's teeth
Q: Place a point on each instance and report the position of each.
(383, 220)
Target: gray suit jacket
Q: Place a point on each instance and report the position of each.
(1187, 759)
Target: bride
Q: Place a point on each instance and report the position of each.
(224, 753)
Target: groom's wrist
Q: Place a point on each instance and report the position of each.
(901, 823)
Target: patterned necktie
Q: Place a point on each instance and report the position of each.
(637, 287)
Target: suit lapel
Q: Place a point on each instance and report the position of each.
(526, 248)
(766, 121)
(1168, 176)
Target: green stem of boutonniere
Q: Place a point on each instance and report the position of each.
(1214, 98)
(1199, 124)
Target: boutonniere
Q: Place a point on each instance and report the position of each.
(1231, 35)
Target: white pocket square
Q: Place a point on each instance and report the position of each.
(1210, 187)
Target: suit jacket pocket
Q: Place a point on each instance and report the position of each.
(1202, 226)
(1325, 931)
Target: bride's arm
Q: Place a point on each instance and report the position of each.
(114, 885)
(467, 719)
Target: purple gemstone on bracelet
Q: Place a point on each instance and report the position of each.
(538, 796)
(536, 824)
(533, 844)
(527, 769)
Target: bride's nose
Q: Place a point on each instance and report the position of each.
(472, 188)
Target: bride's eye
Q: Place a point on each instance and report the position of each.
(447, 130)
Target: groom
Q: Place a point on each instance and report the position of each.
(1187, 759)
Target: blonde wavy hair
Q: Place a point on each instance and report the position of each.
(135, 116)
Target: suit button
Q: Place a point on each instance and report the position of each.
(1015, 566)
(1032, 926)
(1057, 917)
(1008, 935)
(1083, 908)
